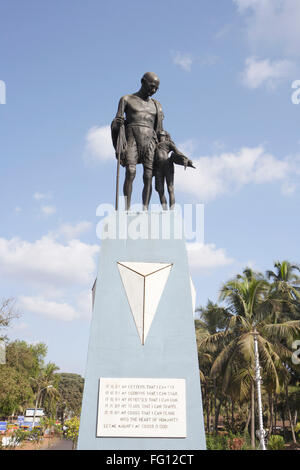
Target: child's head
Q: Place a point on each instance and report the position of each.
(163, 135)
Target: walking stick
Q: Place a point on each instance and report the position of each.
(120, 149)
(117, 182)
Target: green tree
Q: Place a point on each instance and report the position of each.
(248, 302)
(28, 362)
(70, 389)
(285, 291)
(212, 319)
(72, 430)
(15, 391)
(45, 387)
(28, 359)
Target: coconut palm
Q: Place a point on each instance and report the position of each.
(249, 305)
(45, 385)
(212, 319)
(285, 290)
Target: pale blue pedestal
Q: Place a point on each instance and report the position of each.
(115, 349)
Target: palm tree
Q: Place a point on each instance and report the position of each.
(45, 384)
(213, 318)
(285, 294)
(250, 308)
(285, 291)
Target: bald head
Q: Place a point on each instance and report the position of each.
(149, 76)
(150, 83)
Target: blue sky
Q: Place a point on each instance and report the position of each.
(226, 71)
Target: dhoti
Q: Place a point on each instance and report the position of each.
(141, 145)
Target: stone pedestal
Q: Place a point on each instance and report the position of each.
(142, 387)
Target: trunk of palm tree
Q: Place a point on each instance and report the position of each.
(39, 401)
(252, 417)
(246, 430)
(215, 403)
(275, 414)
(227, 413)
(217, 413)
(211, 414)
(207, 413)
(283, 421)
(269, 411)
(290, 414)
(271, 408)
(232, 415)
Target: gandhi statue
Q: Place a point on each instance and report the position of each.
(135, 138)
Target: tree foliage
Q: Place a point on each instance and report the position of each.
(71, 389)
(15, 391)
(269, 307)
(72, 429)
(28, 359)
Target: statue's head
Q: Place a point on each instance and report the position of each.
(150, 83)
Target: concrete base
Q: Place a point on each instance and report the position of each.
(115, 348)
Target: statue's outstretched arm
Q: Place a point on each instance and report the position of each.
(179, 158)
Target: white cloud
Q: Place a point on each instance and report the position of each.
(41, 306)
(228, 172)
(266, 72)
(226, 29)
(206, 256)
(56, 277)
(21, 326)
(288, 188)
(69, 231)
(188, 147)
(273, 35)
(84, 303)
(184, 61)
(272, 26)
(99, 144)
(218, 145)
(48, 262)
(48, 210)
(39, 196)
(245, 4)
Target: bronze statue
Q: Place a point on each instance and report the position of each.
(164, 167)
(135, 138)
(140, 138)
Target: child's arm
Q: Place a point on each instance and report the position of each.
(178, 157)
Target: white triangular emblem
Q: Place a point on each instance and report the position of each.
(144, 284)
(193, 293)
